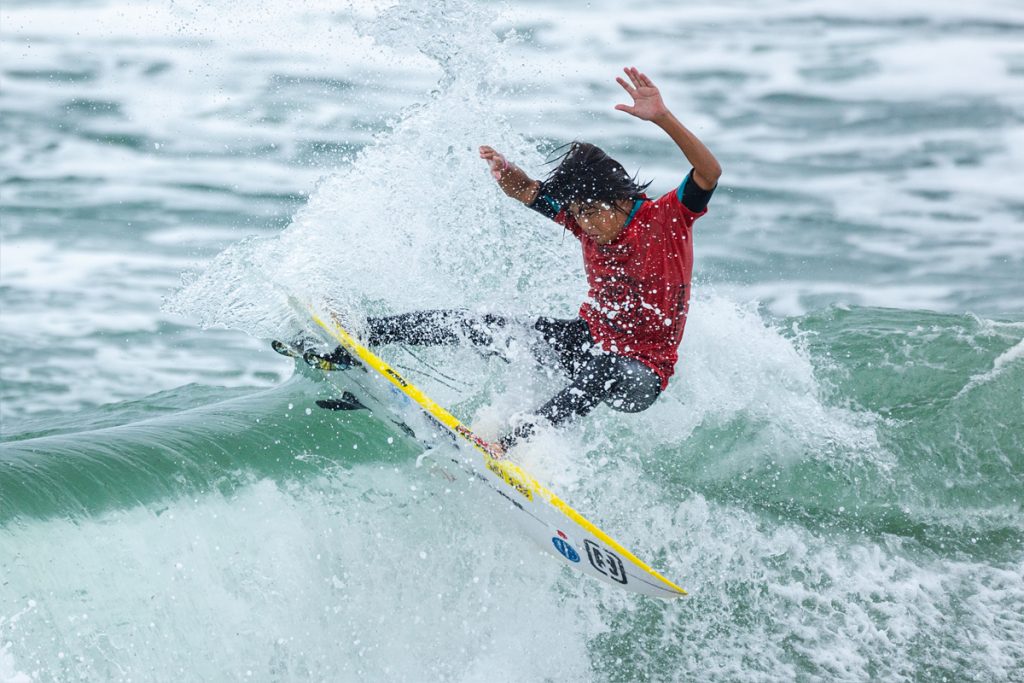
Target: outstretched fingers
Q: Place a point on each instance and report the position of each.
(495, 160)
(635, 76)
(626, 86)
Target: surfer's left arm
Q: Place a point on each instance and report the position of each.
(648, 105)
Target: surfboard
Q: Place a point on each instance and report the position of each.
(545, 518)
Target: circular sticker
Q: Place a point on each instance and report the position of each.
(565, 549)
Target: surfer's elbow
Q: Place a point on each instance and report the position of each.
(708, 174)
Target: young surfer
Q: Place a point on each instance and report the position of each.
(622, 348)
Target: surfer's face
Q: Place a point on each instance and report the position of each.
(600, 221)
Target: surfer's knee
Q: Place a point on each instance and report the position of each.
(598, 376)
(634, 387)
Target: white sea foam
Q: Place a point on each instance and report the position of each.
(734, 365)
(999, 365)
(8, 667)
(8, 627)
(305, 584)
(331, 580)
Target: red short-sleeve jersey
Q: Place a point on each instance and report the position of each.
(640, 283)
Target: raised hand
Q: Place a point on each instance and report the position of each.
(495, 159)
(647, 102)
(512, 180)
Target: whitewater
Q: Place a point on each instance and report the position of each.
(835, 473)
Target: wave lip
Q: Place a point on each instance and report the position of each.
(275, 434)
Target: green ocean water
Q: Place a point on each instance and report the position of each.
(835, 474)
(903, 543)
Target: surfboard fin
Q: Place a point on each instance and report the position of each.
(348, 401)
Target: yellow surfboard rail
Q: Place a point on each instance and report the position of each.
(507, 470)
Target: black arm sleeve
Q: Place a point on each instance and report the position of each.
(544, 204)
(693, 196)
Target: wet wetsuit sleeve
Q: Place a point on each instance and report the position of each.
(693, 196)
(544, 204)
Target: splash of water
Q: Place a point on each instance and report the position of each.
(415, 221)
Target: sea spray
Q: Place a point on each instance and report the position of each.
(416, 220)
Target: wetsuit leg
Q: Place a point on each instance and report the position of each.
(434, 328)
(570, 340)
(625, 384)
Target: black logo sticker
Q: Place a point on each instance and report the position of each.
(605, 561)
(398, 378)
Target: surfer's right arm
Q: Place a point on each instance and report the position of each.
(512, 180)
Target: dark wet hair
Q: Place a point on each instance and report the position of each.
(586, 174)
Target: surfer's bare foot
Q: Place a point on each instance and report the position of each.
(496, 450)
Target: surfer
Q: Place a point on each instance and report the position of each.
(622, 348)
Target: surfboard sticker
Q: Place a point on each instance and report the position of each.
(555, 526)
